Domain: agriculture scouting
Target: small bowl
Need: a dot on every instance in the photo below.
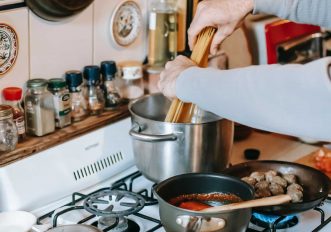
(16, 221)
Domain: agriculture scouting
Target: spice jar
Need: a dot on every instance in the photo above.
(108, 73)
(62, 102)
(92, 90)
(131, 84)
(12, 97)
(8, 131)
(39, 108)
(79, 109)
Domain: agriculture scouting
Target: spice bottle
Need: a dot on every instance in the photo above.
(12, 96)
(131, 83)
(62, 102)
(92, 90)
(8, 131)
(39, 108)
(79, 109)
(108, 73)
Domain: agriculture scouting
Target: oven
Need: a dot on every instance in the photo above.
(93, 180)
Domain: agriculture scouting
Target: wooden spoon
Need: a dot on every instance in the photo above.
(267, 201)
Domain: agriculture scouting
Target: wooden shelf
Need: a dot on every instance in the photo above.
(33, 145)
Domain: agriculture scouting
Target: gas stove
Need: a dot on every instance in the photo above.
(92, 179)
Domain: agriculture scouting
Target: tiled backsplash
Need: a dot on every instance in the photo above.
(48, 49)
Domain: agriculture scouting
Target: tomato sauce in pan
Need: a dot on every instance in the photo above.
(200, 201)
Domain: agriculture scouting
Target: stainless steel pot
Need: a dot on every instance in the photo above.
(175, 219)
(163, 149)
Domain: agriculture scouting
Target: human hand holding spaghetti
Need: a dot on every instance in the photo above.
(168, 77)
(225, 15)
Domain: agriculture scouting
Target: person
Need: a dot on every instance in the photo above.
(292, 99)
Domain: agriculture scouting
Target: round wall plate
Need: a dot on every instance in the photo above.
(125, 23)
(8, 47)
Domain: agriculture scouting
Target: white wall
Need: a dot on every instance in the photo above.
(49, 49)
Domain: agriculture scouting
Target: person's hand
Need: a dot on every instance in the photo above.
(168, 77)
(225, 15)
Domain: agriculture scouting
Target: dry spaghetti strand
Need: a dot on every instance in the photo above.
(180, 111)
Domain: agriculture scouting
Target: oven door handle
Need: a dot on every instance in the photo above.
(136, 133)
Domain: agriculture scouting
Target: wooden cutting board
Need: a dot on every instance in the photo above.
(309, 160)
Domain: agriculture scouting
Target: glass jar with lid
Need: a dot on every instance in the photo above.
(61, 100)
(131, 83)
(79, 109)
(92, 91)
(39, 108)
(8, 131)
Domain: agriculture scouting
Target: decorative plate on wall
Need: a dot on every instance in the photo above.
(126, 23)
(8, 47)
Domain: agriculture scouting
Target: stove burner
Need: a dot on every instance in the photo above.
(274, 221)
(114, 203)
(121, 224)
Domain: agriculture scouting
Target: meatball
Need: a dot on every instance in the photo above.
(249, 180)
(276, 189)
(279, 180)
(259, 176)
(262, 185)
(290, 178)
(269, 174)
(296, 196)
(260, 193)
(294, 187)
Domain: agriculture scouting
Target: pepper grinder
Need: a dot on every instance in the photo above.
(92, 91)
(111, 95)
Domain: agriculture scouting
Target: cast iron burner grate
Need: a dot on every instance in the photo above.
(274, 221)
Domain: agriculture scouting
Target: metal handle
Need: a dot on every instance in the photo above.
(135, 132)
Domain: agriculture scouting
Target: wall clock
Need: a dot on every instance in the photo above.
(8, 47)
(126, 23)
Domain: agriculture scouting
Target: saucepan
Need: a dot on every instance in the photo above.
(178, 219)
(315, 184)
(162, 149)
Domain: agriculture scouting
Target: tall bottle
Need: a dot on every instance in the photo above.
(108, 73)
(162, 32)
(12, 96)
(92, 90)
(79, 109)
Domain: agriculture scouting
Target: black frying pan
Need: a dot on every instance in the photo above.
(55, 10)
(315, 184)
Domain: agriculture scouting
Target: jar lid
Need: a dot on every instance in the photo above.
(5, 111)
(12, 93)
(131, 70)
(38, 82)
(108, 70)
(56, 83)
(92, 74)
(74, 78)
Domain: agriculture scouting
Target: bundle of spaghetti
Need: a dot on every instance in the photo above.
(180, 111)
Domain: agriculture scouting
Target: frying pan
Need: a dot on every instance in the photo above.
(315, 184)
(56, 10)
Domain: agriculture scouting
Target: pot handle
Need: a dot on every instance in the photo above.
(135, 132)
(200, 224)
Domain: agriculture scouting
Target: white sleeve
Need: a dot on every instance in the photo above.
(290, 99)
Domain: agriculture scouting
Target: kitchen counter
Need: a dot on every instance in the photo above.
(272, 147)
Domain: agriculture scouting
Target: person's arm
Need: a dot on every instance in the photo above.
(289, 99)
(315, 12)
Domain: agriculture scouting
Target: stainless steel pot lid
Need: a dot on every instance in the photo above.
(75, 228)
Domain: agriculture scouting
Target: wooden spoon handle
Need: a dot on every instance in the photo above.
(274, 200)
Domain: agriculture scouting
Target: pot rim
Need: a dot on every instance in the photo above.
(131, 104)
(199, 213)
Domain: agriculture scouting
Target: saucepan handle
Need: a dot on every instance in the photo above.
(136, 133)
(200, 224)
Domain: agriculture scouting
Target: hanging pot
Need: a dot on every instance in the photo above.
(56, 10)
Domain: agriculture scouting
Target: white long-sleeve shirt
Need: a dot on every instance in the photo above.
(290, 99)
